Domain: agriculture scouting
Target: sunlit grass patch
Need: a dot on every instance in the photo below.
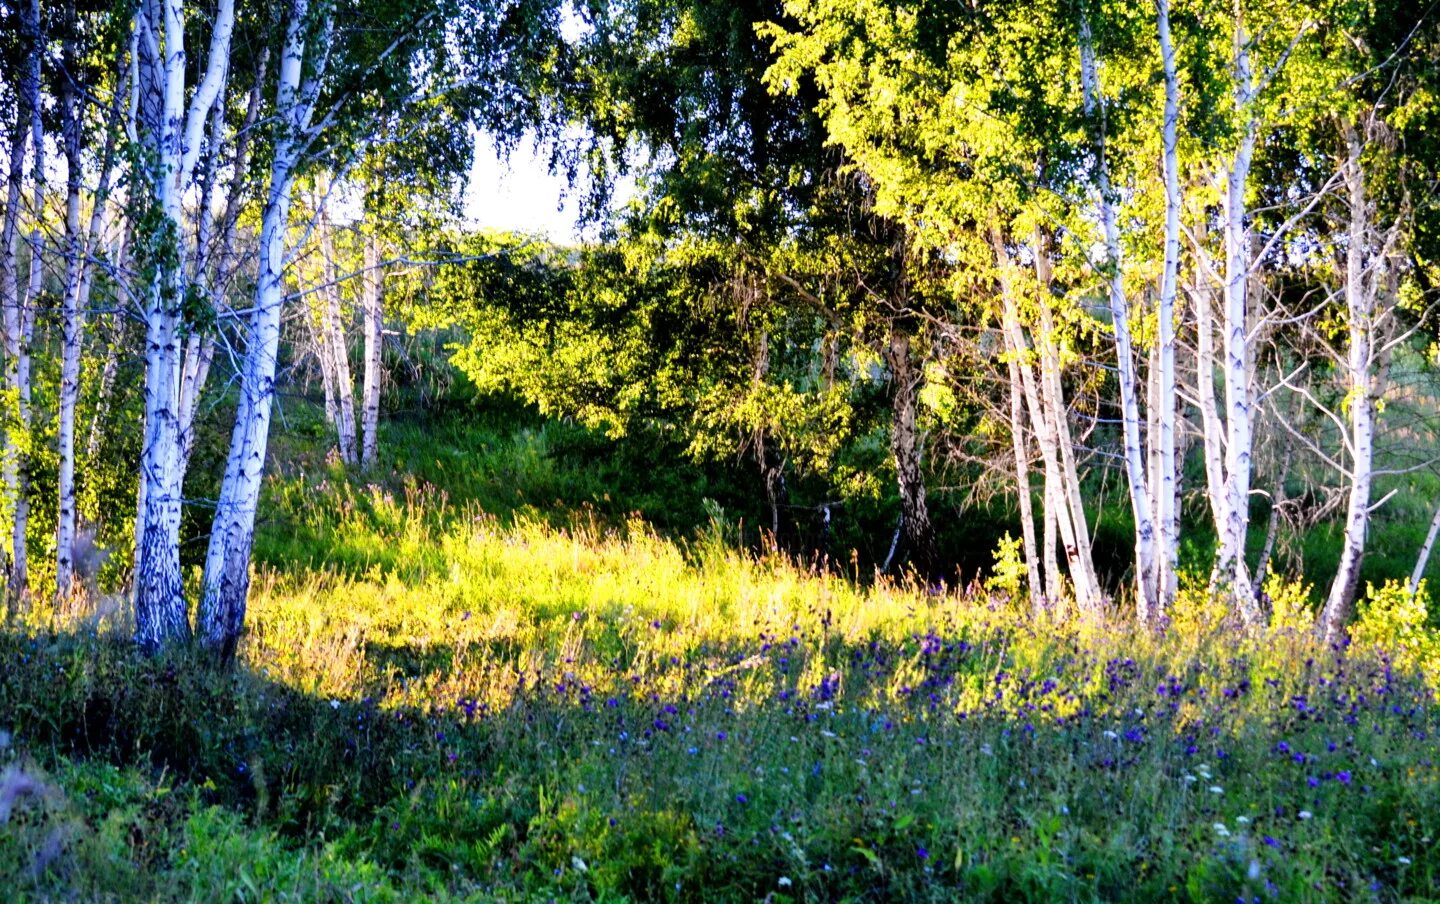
(583, 708)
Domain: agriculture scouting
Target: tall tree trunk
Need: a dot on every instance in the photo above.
(1034, 580)
(174, 135)
(12, 308)
(1052, 435)
(1230, 560)
(333, 332)
(1078, 552)
(1166, 477)
(108, 371)
(372, 302)
(1423, 559)
(1360, 305)
(1142, 506)
(1272, 529)
(907, 446)
(200, 345)
(315, 320)
(227, 562)
(1212, 425)
(71, 116)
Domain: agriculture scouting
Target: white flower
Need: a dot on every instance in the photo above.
(1216, 789)
(1190, 779)
(1110, 734)
(334, 704)
(784, 882)
(1305, 814)
(1403, 861)
(1243, 820)
(828, 734)
(579, 865)
(1254, 871)
(1221, 830)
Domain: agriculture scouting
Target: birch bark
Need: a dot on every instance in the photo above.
(1230, 559)
(1360, 294)
(174, 132)
(333, 335)
(71, 119)
(372, 302)
(1166, 478)
(1141, 503)
(227, 562)
(12, 305)
(1423, 559)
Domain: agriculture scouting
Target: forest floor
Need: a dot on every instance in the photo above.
(443, 696)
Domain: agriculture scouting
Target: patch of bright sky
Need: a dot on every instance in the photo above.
(520, 194)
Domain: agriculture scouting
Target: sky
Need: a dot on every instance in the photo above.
(519, 194)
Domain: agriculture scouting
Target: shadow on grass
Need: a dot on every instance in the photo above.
(1010, 765)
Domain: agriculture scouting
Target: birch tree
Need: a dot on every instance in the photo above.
(14, 307)
(171, 125)
(303, 59)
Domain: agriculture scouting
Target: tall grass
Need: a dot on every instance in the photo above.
(540, 708)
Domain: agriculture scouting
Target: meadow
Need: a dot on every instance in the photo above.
(457, 694)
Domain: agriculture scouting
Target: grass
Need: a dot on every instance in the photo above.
(508, 675)
(521, 710)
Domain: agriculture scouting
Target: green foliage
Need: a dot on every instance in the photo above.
(1396, 621)
(1008, 574)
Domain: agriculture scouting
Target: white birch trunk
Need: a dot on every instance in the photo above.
(199, 345)
(227, 562)
(160, 611)
(1211, 423)
(316, 322)
(1166, 477)
(1141, 503)
(10, 300)
(333, 336)
(1033, 577)
(1053, 436)
(372, 303)
(1423, 559)
(70, 344)
(108, 371)
(1360, 306)
(20, 327)
(1088, 594)
(1230, 560)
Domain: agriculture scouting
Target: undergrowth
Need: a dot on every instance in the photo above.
(525, 711)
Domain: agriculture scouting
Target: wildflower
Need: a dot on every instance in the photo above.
(1269, 841)
(741, 799)
(922, 853)
(1216, 789)
(1305, 814)
(784, 882)
(1403, 861)
(1343, 776)
(1221, 830)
